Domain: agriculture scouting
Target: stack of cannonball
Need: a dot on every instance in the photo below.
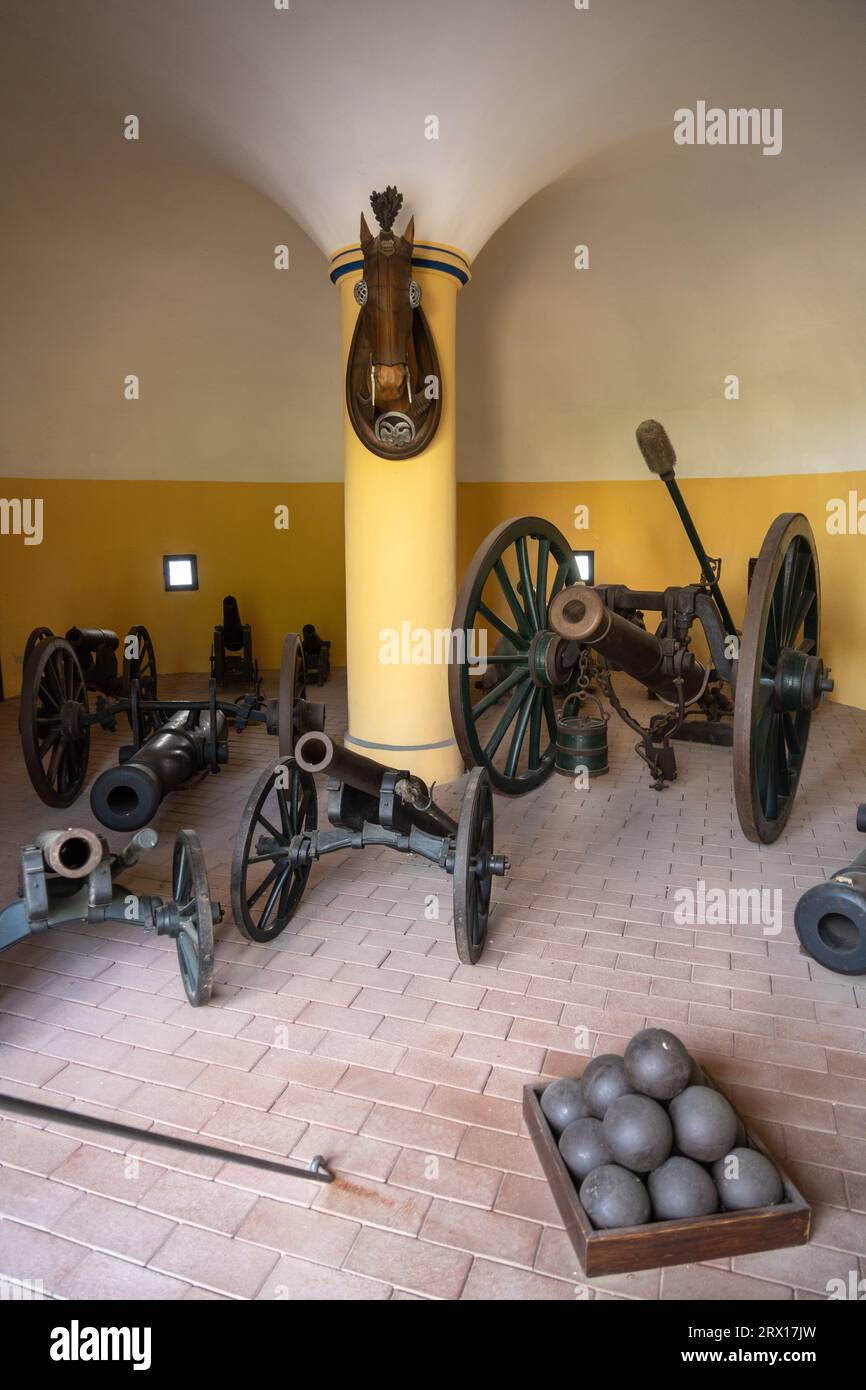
(646, 1139)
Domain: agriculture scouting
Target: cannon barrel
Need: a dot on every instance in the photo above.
(127, 797)
(579, 615)
(316, 752)
(71, 853)
(90, 639)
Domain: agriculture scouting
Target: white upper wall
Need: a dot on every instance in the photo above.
(703, 263)
(156, 256)
(318, 103)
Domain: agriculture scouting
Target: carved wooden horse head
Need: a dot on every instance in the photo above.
(393, 387)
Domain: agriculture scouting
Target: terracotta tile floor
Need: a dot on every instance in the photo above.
(358, 1035)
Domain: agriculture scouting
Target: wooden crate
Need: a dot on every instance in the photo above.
(663, 1242)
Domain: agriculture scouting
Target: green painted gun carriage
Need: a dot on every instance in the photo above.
(757, 691)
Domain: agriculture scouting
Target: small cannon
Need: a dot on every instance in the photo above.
(830, 919)
(96, 651)
(231, 655)
(55, 719)
(317, 654)
(368, 804)
(555, 635)
(71, 876)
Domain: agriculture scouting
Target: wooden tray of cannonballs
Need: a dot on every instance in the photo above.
(659, 1243)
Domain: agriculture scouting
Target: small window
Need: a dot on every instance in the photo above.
(585, 565)
(180, 571)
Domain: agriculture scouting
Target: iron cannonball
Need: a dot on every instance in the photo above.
(612, 1196)
(604, 1081)
(638, 1132)
(561, 1102)
(753, 1182)
(657, 1064)
(705, 1124)
(697, 1078)
(681, 1188)
(583, 1148)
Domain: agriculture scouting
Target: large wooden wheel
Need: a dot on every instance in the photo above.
(55, 740)
(143, 669)
(293, 687)
(473, 875)
(194, 937)
(266, 888)
(38, 635)
(780, 677)
(510, 729)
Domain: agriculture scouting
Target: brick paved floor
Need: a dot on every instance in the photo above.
(358, 1035)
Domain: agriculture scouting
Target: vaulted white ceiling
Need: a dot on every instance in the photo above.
(318, 104)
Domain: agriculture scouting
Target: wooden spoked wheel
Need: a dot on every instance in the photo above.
(780, 677)
(266, 888)
(194, 938)
(39, 634)
(293, 687)
(473, 875)
(143, 669)
(55, 740)
(510, 729)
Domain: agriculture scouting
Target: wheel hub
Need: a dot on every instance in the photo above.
(70, 720)
(551, 659)
(800, 681)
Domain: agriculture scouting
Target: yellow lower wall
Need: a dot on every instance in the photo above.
(638, 540)
(100, 563)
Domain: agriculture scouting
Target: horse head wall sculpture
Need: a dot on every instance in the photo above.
(393, 386)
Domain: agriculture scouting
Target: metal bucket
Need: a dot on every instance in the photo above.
(581, 740)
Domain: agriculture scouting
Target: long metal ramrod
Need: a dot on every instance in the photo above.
(660, 458)
(316, 1171)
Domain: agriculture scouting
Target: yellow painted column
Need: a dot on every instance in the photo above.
(401, 533)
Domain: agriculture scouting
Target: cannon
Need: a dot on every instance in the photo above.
(189, 742)
(560, 634)
(830, 919)
(71, 876)
(55, 721)
(231, 656)
(368, 804)
(317, 654)
(96, 651)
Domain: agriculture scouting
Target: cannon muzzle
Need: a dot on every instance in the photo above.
(71, 853)
(579, 615)
(830, 919)
(127, 797)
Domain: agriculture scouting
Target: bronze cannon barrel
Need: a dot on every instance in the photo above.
(71, 853)
(579, 615)
(128, 796)
(90, 639)
(316, 752)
